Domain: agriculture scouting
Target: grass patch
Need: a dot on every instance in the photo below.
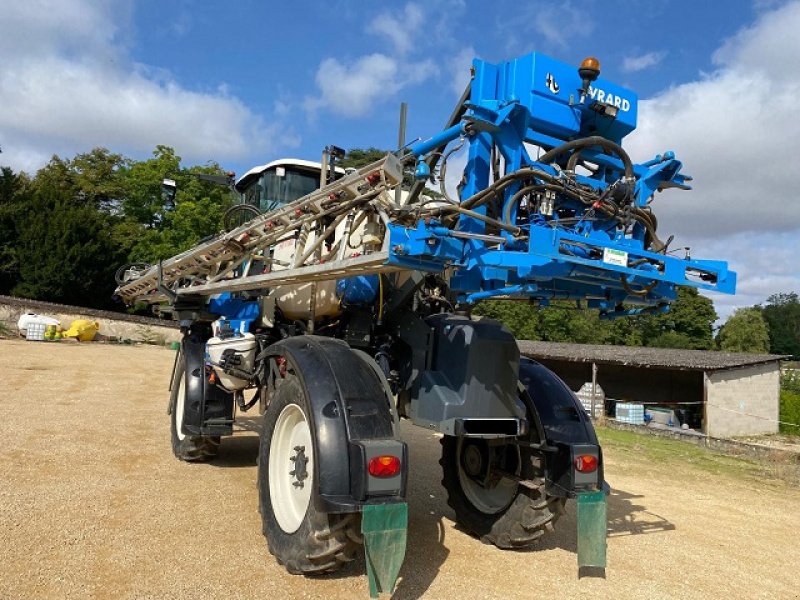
(790, 411)
(659, 451)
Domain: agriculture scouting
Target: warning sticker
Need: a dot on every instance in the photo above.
(615, 257)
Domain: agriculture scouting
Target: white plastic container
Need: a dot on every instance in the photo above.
(35, 332)
(585, 396)
(628, 412)
(244, 345)
(32, 318)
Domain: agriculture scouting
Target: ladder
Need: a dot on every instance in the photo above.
(224, 263)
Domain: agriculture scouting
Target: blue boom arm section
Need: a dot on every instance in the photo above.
(572, 223)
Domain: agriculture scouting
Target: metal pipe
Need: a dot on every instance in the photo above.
(323, 172)
(448, 135)
(594, 387)
(401, 141)
(301, 243)
(318, 242)
(348, 227)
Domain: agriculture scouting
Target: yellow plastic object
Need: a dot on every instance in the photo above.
(82, 329)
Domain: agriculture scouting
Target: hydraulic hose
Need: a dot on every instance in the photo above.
(588, 142)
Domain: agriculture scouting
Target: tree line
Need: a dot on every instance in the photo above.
(66, 230)
(772, 327)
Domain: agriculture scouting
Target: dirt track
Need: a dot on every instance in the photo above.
(93, 505)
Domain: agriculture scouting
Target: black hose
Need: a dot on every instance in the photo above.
(588, 142)
(232, 218)
(643, 292)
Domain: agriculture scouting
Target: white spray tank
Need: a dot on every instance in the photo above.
(231, 347)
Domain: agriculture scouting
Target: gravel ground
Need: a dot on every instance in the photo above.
(93, 505)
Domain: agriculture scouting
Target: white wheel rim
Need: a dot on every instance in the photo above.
(488, 500)
(179, 402)
(289, 491)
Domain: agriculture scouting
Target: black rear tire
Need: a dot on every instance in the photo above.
(191, 448)
(322, 542)
(517, 523)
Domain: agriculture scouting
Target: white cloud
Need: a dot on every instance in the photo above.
(399, 29)
(542, 25)
(559, 23)
(459, 66)
(631, 64)
(736, 131)
(352, 90)
(763, 262)
(68, 84)
(354, 87)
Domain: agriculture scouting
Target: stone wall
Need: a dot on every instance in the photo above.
(144, 330)
(743, 401)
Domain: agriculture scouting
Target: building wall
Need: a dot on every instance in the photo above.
(743, 401)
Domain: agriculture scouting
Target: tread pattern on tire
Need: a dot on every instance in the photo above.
(192, 448)
(325, 541)
(196, 448)
(519, 526)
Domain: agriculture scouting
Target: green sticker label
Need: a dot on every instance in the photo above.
(615, 257)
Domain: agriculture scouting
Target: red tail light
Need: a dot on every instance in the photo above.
(586, 463)
(384, 466)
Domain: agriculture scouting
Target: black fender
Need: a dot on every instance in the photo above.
(566, 428)
(349, 415)
(208, 409)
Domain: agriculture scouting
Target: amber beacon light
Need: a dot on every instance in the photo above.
(589, 71)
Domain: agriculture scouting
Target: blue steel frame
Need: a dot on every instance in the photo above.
(536, 100)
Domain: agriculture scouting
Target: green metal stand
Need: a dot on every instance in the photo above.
(592, 529)
(385, 528)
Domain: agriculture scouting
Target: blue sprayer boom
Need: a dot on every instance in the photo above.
(348, 308)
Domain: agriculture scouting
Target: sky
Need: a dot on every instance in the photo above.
(244, 82)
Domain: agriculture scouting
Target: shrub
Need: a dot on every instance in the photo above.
(790, 412)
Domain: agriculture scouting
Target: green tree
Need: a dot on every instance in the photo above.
(626, 331)
(64, 232)
(688, 324)
(361, 157)
(745, 331)
(65, 251)
(91, 179)
(782, 314)
(192, 220)
(559, 322)
(520, 317)
(14, 196)
(142, 202)
(198, 212)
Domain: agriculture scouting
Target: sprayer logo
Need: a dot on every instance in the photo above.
(608, 98)
(551, 83)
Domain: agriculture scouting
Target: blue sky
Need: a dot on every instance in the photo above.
(244, 82)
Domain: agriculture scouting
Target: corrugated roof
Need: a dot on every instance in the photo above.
(656, 358)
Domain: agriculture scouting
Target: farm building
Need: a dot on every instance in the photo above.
(721, 394)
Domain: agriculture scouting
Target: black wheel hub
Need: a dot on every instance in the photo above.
(485, 463)
(300, 461)
(472, 460)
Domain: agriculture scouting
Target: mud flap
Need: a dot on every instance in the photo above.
(592, 529)
(385, 529)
